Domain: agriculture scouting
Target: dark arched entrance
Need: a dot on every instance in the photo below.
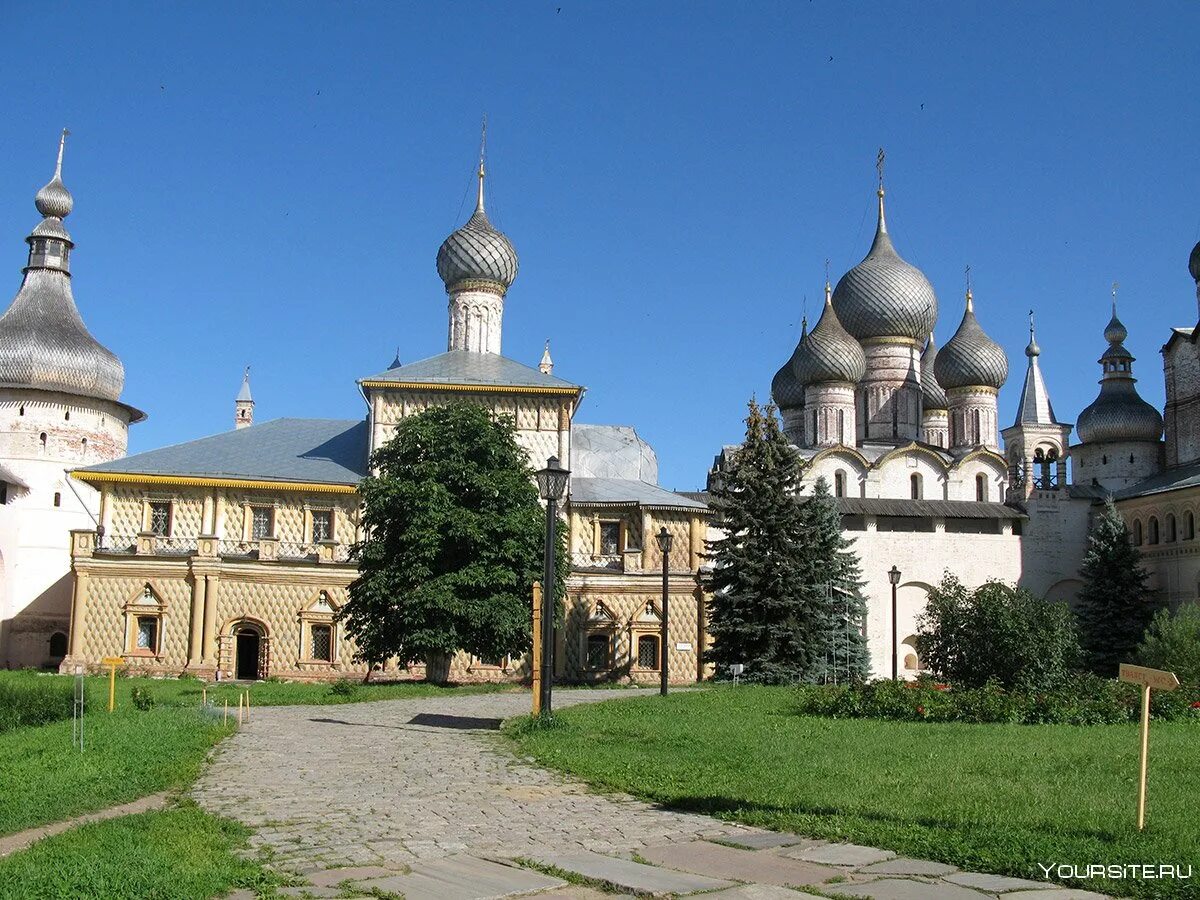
(248, 653)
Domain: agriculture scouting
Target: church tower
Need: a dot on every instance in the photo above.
(889, 306)
(1037, 444)
(243, 406)
(971, 368)
(477, 264)
(829, 363)
(935, 429)
(60, 409)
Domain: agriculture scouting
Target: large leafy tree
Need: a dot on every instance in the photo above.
(1114, 604)
(831, 569)
(761, 613)
(454, 541)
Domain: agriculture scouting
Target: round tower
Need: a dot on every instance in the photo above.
(477, 264)
(59, 410)
(829, 363)
(1119, 433)
(889, 306)
(971, 368)
(935, 428)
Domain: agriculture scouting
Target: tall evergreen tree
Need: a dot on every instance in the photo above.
(832, 571)
(761, 613)
(1114, 604)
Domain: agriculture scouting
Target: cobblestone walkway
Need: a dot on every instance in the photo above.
(418, 798)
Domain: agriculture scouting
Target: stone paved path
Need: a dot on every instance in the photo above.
(420, 798)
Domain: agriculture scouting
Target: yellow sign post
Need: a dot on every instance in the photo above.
(112, 662)
(537, 648)
(1160, 681)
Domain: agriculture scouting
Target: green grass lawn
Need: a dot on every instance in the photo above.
(179, 853)
(993, 798)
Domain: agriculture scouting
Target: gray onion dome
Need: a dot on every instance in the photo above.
(971, 358)
(786, 390)
(932, 394)
(1119, 413)
(1115, 332)
(477, 252)
(1194, 264)
(829, 353)
(884, 296)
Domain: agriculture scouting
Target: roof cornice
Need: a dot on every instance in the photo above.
(203, 481)
(472, 388)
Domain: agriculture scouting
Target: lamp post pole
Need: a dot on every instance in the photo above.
(664, 544)
(552, 486)
(894, 578)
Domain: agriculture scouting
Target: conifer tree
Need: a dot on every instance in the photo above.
(761, 613)
(835, 580)
(1114, 607)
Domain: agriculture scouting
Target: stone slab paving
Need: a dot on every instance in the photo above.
(1055, 894)
(758, 892)
(706, 858)
(994, 883)
(462, 878)
(904, 866)
(764, 840)
(904, 889)
(629, 875)
(852, 855)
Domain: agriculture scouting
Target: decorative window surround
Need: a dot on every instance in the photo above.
(143, 611)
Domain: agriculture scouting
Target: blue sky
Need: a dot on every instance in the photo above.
(268, 184)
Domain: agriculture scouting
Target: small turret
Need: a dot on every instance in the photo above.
(243, 416)
(546, 366)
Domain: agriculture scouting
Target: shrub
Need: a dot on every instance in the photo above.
(37, 700)
(996, 633)
(343, 687)
(142, 698)
(1172, 642)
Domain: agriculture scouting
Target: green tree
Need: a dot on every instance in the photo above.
(761, 613)
(454, 541)
(1114, 605)
(832, 572)
(996, 633)
(1172, 642)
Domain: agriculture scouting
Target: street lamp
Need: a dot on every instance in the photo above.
(894, 578)
(552, 485)
(664, 544)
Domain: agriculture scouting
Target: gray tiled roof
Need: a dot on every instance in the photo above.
(466, 367)
(611, 451)
(941, 509)
(598, 491)
(323, 451)
(1175, 479)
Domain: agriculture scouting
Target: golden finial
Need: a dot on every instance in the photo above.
(482, 153)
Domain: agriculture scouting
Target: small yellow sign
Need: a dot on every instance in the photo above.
(1152, 678)
(113, 661)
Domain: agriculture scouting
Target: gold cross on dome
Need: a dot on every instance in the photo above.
(879, 165)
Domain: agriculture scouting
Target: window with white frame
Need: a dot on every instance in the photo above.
(322, 525)
(262, 522)
(147, 634)
(321, 642)
(160, 517)
(610, 538)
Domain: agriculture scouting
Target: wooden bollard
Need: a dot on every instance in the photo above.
(239, 709)
(225, 718)
(204, 696)
(247, 706)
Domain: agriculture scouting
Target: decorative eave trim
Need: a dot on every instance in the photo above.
(898, 339)
(914, 447)
(618, 504)
(473, 388)
(476, 284)
(201, 481)
(972, 388)
(984, 453)
(840, 450)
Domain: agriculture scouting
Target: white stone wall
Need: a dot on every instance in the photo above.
(42, 434)
(891, 476)
(1181, 374)
(972, 418)
(935, 428)
(1053, 542)
(1174, 560)
(828, 415)
(889, 395)
(1116, 465)
(475, 321)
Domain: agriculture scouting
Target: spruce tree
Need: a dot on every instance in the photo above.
(761, 612)
(1114, 607)
(835, 581)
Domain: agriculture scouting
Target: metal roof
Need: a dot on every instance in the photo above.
(623, 491)
(1175, 479)
(321, 451)
(938, 509)
(464, 367)
(611, 451)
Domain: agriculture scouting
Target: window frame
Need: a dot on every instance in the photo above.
(145, 605)
(256, 508)
(600, 526)
(607, 637)
(637, 654)
(151, 503)
(327, 627)
(313, 513)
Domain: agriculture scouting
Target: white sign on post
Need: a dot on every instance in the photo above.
(1160, 681)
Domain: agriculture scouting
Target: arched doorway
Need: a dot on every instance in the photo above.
(248, 646)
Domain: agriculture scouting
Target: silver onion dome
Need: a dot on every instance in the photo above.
(1119, 413)
(1115, 332)
(971, 358)
(43, 341)
(829, 352)
(786, 389)
(884, 296)
(477, 251)
(933, 396)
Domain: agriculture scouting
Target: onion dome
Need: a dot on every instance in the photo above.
(932, 395)
(477, 252)
(786, 390)
(884, 296)
(829, 352)
(1194, 264)
(43, 341)
(1119, 413)
(971, 358)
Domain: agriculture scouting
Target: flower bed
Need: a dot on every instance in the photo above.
(1081, 699)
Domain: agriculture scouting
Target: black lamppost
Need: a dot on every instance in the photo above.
(664, 544)
(552, 485)
(894, 578)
